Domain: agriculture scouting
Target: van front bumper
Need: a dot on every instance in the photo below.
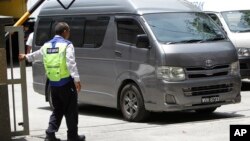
(190, 94)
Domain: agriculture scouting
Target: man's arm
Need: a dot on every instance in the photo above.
(37, 55)
(71, 64)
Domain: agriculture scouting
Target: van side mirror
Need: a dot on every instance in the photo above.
(142, 41)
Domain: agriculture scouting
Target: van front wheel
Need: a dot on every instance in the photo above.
(132, 104)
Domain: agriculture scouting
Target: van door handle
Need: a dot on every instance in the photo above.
(118, 53)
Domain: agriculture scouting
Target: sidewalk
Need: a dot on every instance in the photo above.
(36, 138)
(28, 138)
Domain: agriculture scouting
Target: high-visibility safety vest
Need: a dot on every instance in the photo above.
(54, 59)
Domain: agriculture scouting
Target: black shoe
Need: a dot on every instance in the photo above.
(51, 138)
(78, 138)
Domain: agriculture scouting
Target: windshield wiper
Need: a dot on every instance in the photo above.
(214, 39)
(185, 41)
(197, 40)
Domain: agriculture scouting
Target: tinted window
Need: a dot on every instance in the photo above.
(183, 27)
(128, 31)
(43, 31)
(83, 33)
(95, 30)
(77, 31)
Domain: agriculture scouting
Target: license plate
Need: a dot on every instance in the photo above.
(210, 99)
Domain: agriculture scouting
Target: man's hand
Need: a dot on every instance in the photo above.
(78, 86)
(22, 57)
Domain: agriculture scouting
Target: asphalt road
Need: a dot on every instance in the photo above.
(105, 124)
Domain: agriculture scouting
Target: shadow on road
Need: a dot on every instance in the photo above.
(182, 117)
(156, 118)
(100, 111)
(95, 111)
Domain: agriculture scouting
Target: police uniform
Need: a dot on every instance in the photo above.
(60, 66)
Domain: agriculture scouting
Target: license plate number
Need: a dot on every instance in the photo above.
(211, 99)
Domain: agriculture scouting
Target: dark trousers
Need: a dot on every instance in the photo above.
(64, 100)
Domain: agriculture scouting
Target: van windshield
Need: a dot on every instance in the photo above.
(237, 21)
(172, 28)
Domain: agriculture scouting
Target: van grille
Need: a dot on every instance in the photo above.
(208, 90)
(202, 72)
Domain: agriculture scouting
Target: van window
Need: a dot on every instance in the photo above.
(77, 31)
(170, 28)
(215, 18)
(83, 33)
(43, 31)
(76, 25)
(128, 30)
(237, 21)
(95, 30)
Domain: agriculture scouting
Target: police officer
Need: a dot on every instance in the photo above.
(59, 62)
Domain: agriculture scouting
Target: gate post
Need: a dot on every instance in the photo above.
(5, 130)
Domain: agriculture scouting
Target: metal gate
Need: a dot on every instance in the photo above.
(17, 87)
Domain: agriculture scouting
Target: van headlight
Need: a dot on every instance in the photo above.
(171, 73)
(235, 68)
(243, 51)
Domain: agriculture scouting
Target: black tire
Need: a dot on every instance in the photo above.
(50, 98)
(132, 104)
(206, 111)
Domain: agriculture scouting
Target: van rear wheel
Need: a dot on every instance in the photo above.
(206, 111)
(132, 104)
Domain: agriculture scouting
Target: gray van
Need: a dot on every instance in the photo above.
(140, 56)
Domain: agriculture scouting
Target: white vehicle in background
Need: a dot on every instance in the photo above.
(234, 17)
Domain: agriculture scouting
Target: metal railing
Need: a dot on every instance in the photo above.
(12, 82)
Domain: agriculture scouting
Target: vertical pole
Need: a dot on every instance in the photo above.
(5, 130)
(23, 83)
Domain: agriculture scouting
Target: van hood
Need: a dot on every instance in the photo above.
(240, 39)
(197, 54)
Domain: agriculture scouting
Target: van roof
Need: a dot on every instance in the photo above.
(52, 7)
